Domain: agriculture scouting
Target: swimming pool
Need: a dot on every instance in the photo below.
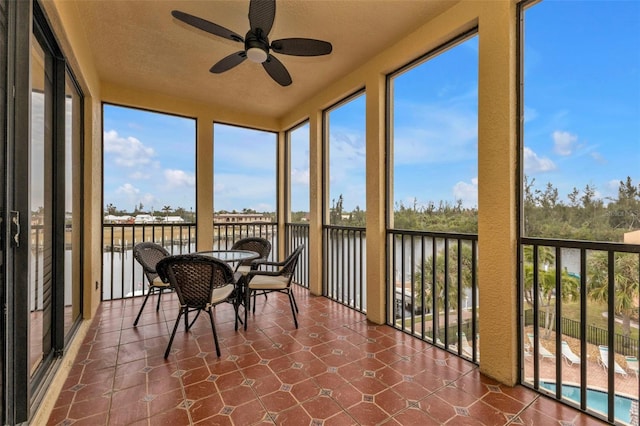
(596, 400)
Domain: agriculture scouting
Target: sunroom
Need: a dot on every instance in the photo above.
(462, 174)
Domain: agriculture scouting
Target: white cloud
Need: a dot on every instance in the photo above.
(235, 191)
(300, 177)
(530, 114)
(598, 157)
(127, 151)
(438, 134)
(564, 142)
(179, 179)
(140, 175)
(613, 185)
(467, 193)
(533, 163)
(128, 190)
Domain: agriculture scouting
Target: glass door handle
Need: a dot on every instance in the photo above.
(15, 228)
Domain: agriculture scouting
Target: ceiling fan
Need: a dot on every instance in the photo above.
(256, 42)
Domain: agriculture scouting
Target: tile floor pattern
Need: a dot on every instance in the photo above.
(336, 369)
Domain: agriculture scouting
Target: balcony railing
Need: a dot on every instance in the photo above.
(584, 296)
(345, 266)
(225, 234)
(297, 234)
(122, 276)
(444, 313)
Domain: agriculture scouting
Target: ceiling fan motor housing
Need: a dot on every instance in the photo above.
(257, 47)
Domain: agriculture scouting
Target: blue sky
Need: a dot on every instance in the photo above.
(149, 159)
(582, 126)
(582, 94)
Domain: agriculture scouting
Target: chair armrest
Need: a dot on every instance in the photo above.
(255, 264)
(260, 262)
(255, 272)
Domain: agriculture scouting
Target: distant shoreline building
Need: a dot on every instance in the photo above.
(141, 219)
(240, 218)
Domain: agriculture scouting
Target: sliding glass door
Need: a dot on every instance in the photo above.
(40, 216)
(40, 207)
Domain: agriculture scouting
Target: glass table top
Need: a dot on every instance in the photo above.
(231, 255)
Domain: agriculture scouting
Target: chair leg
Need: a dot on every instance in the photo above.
(293, 309)
(294, 300)
(247, 305)
(189, 325)
(215, 335)
(173, 334)
(142, 307)
(236, 307)
(159, 296)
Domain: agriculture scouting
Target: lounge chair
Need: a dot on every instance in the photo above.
(632, 364)
(542, 351)
(467, 349)
(604, 361)
(568, 355)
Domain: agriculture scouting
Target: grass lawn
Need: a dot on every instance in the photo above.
(595, 318)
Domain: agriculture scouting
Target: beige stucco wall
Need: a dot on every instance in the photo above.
(632, 237)
(497, 159)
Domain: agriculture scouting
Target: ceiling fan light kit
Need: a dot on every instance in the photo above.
(257, 49)
(256, 43)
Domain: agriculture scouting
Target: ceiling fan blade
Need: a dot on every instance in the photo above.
(204, 25)
(301, 47)
(228, 62)
(261, 15)
(277, 71)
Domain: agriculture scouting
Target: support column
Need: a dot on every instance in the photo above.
(497, 192)
(376, 199)
(316, 206)
(204, 183)
(282, 172)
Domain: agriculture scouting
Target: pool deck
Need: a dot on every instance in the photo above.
(597, 376)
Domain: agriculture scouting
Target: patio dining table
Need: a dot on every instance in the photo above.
(230, 256)
(233, 256)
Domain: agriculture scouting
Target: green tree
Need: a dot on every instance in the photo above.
(624, 212)
(437, 292)
(335, 215)
(569, 285)
(625, 280)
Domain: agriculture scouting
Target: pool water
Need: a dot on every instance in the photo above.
(596, 400)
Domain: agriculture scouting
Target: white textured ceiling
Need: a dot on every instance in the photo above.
(139, 44)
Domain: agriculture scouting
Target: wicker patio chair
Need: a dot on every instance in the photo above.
(270, 281)
(256, 244)
(148, 254)
(201, 282)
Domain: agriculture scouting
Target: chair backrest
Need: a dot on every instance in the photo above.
(148, 254)
(291, 262)
(194, 277)
(257, 244)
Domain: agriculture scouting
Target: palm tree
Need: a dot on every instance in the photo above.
(437, 292)
(569, 285)
(626, 284)
(166, 210)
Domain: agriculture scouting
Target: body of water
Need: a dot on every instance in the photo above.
(597, 400)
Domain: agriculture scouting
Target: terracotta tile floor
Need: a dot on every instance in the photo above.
(336, 369)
